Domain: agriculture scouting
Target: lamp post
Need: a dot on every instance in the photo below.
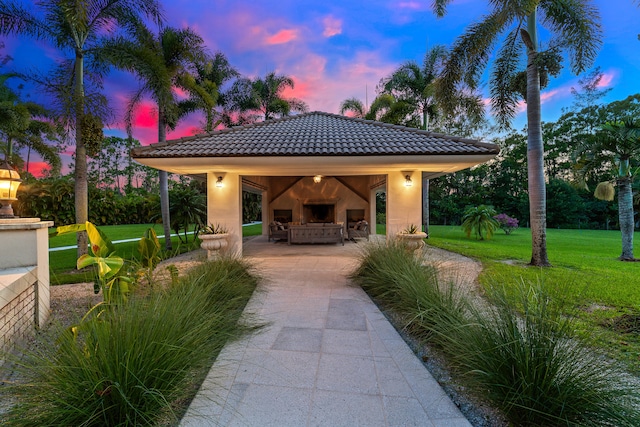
(9, 183)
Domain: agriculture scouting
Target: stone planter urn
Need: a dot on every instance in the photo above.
(413, 241)
(213, 243)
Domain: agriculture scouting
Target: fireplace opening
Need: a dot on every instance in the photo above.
(319, 213)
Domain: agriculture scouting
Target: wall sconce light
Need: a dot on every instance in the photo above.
(317, 179)
(407, 181)
(219, 183)
(9, 183)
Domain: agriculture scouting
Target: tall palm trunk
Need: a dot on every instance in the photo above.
(164, 185)
(625, 216)
(425, 183)
(81, 185)
(535, 153)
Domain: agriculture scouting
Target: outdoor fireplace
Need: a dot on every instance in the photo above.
(319, 213)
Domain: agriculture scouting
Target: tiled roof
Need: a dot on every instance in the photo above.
(315, 134)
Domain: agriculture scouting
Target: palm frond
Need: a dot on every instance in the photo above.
(133, 103)
(440, 7)
(16, 19)
(354, 105)
(577, 23)
(504, 99)
(469, 56)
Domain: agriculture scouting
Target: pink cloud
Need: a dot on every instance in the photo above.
(39, 169)
(414, 5)
(606, 79)
(332, 26)
(324, 90)
(146, 116)
(549, 95)
(282, 36)
(180, 93)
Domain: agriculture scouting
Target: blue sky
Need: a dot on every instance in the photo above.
(340, 49)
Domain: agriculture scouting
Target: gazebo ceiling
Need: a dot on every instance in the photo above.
(316, 143)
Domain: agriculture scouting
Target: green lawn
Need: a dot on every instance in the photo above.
(585, 271)
(62, 263)
(584, 260)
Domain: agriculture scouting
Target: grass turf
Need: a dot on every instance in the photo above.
(585, 271)
(62, 264)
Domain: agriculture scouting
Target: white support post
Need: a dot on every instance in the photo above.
(224, 206)
(404, 204)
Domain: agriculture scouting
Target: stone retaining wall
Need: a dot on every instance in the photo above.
(17, 315)
(24, 279)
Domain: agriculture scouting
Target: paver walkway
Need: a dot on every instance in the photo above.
(327, 358)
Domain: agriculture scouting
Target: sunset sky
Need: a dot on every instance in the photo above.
(340, 49)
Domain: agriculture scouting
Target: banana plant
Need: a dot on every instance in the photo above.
(115, 286)
(149, 248)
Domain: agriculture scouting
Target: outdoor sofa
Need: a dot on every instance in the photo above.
(317, 233)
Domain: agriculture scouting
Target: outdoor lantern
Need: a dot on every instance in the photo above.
(407, 181)
(219, 183)
(317, 179)
(9, 183)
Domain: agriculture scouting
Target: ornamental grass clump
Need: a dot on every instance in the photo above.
(137, 363)
(401, 283)
(518, 351)
(524, 356)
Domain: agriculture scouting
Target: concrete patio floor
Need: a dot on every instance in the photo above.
(328, 357)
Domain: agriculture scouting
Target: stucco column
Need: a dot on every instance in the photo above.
(224, 207)
(404, 204)
(372, 211)
(265, 213)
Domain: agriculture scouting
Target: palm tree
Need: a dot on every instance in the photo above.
(355, 106)
(265, 96)
(416, 86)
(28, 125)
(77, 27)
(161, 62)
(478, 219)
(614, 147)
(576, 27)
(385, 108)
(206, 92)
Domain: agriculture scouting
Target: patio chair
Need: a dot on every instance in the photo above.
(359, 230)
(278, 231)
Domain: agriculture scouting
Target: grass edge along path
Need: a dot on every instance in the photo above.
(586, 274)
(140, 363)
(520, 353)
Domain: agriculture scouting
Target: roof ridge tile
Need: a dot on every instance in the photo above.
(312, 134)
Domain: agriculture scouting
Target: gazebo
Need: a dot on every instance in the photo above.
(316, 167)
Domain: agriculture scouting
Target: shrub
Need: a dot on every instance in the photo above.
(506, 223)
(479, 219)
(135, 365)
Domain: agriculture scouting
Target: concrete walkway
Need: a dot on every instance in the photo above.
(327, 358)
